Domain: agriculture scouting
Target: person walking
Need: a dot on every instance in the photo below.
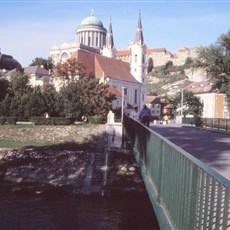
(135, 113)
(166, 119)
(145, 115)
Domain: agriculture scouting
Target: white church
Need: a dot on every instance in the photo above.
(95, 49)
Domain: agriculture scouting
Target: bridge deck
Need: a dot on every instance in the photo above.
(212, 148)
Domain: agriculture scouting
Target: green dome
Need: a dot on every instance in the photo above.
(91, 20)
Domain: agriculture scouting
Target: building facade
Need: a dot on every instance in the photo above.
(95, 49)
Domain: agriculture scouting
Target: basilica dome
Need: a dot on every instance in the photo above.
(91, 33)
(91, 20)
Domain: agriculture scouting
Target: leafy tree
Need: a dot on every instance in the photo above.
(19, 84)
(191, 104)
(168, 65)
(4, 84)
(188, 62)
(86, 97)
(69, 69)
(21, 99)
(215, 60)
(70, 101)
(46, 63)
(96, 98)
(52, 101)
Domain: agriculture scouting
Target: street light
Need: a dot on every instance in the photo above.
(122, 103)
(182, 100)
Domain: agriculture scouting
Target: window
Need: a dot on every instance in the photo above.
(97, 41)
(125, 91)
(135, 59)
(135, 96)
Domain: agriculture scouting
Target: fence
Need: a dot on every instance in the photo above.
(184, 192)
(214, 123)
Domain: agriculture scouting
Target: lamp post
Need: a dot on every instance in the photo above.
(122, 103)
(182, 101)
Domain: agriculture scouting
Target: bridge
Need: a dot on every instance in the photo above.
(186, 172)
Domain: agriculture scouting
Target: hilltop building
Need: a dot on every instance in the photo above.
(160, 56)
(94, 47)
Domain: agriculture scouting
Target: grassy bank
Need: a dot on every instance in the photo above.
(27, 136)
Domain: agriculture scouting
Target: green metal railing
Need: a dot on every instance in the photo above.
(184, 192)
(213, 123)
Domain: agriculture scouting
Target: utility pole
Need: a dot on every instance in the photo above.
(182, 101)
(122, 103)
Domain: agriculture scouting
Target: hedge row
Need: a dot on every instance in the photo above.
(51, 120)
(8, 120)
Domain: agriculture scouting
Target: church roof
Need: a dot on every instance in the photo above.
(102, 66)
(139, 34)
(91, 20)
(114, 68)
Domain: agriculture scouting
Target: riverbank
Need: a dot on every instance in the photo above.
(55, 158)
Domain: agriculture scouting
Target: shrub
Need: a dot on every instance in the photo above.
(2, 120)
(52, 121)
(95, 119)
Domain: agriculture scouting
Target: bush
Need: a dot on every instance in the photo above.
(2, 120)
(52, 121)
(8, 120)
(95, 119)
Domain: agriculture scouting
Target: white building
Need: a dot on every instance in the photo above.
(95, 49)
(214, 103)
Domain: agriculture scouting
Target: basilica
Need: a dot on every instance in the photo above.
(95, 49)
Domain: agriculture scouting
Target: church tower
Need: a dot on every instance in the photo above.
(109, 50)
(139, 62)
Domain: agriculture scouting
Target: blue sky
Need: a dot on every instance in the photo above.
(28, 29)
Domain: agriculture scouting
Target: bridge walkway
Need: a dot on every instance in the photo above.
(186, 174)
(210, 147)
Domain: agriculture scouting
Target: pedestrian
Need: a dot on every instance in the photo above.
(145, 115)
(135, 113)
(166, 119)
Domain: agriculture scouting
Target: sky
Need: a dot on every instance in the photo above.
(28, 29)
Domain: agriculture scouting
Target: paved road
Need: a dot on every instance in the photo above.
(212, 148)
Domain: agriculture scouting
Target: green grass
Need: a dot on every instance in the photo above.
(20, 144)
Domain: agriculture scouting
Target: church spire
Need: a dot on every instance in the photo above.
(139, 34)
(110, 42)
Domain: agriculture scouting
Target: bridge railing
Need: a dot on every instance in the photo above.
(213, 123)
(185, 193)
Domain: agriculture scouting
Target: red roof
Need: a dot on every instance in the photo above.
(153, 99)
(101, 66)
(124, 53)
(113, 68)
(87, 59)
(115, 91)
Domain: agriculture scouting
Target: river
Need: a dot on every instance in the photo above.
(62, 211)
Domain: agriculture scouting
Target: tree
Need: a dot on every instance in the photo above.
(4, 84)
(215, 60)
(52, 101)
(188, 62)
(46, 63)
(191, 104)
(70, 69)
(86, 97)
(21, 100)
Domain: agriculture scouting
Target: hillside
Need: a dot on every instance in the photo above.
(167, 80)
